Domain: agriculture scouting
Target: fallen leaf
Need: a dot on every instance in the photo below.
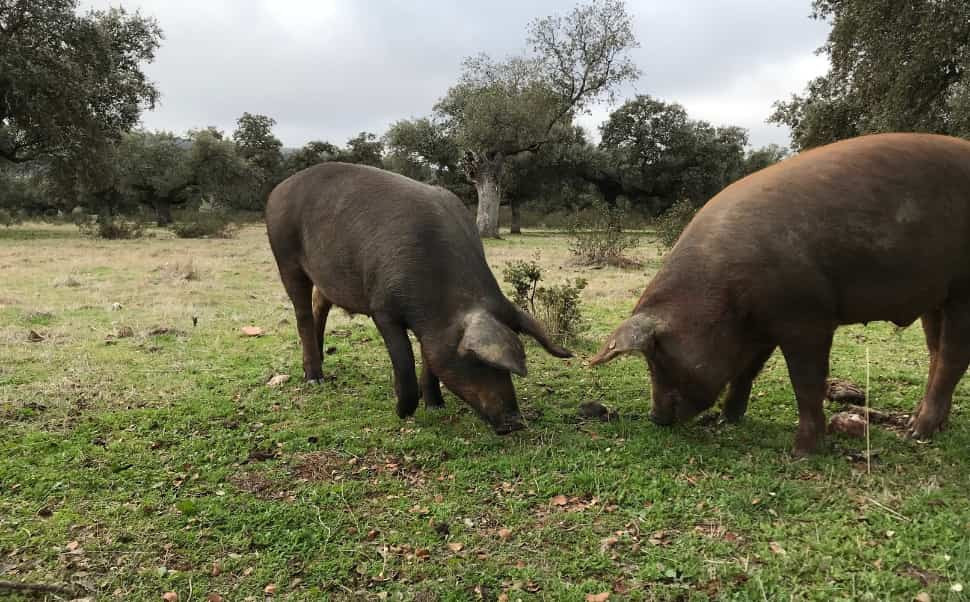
(559, 500)
(503, 597)
(170, 597)
(277, 380)
(422, 554)
(213, 597)
(71, 546)
(216, 569)
(270, 590)
(603, 597)
(420, 510)
(777, 549)
(252, 331)
(504, 533)
(372, 534)
(608, 543)
(456, 546)
(248, 571)
(922, 597)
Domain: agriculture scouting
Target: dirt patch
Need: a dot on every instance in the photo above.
(331, 466)
(260, 486)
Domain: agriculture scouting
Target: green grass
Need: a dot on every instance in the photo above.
(131, 466)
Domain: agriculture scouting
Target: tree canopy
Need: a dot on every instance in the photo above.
(895, 66)
(70, 83)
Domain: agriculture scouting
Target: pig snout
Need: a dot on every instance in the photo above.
(508, 423)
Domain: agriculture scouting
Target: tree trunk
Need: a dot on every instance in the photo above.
(163, 213)
(516, 218)
(488, 184)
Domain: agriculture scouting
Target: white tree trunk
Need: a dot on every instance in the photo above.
(488, 185)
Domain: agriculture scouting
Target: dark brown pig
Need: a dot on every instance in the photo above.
(872, 228)
(407, 255)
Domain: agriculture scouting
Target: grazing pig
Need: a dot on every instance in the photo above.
(872, 228)
(407, 255)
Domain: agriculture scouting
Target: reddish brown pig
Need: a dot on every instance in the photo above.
(407, 255)
(872, 228)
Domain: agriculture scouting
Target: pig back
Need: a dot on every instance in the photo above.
(873, 228)
(375, 241)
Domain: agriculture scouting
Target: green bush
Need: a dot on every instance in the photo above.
(599, 239)
(524, 276)
(557, 308)
(112, 228)
(203, 224)
(673, 221)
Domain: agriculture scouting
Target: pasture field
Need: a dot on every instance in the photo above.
(131, 466)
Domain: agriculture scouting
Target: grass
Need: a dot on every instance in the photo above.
(162, 462)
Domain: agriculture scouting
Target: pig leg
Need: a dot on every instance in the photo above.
(430, 386)
(736, 402)
(300, 289)
(321, 308)
(808, 366)
(402, 359)
(932, 325)
(952, 359)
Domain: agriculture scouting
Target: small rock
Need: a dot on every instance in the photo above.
(170, 597)
(849, 424)
(252, 331)
(33, 337)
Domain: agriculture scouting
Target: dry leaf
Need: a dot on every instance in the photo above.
(503, 597)
(277, 380)
(170, 597)
(216, 569)
(252, 331)
(422, 554)
(922, 597)
(213, 597)
(559, 500)
(608, 543)
(504, 533)
(456, 546)
(71, 546)
(777, 549)
(270, 590)
(598, 597)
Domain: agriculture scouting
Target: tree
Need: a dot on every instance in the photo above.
(262, 150)
(221, 174)
(895, 66)
(760, 158)
(502, 109)
(155, 170)
(657, 155)
(69, 83)
(310, 154)
(365, 148)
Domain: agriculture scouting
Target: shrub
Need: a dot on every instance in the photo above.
(557, 308)
(600, 240)
(112, 228)
(524, 276)
(8, 218)
(203, 224)
(673, 221)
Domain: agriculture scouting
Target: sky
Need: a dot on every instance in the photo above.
(328, 69)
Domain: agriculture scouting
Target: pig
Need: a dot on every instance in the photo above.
(871, 228)
(408, 255)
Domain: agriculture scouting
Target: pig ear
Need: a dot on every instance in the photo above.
(492, 342)
(637, 333)
(531, 327)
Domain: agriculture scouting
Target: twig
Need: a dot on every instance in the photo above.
(888, 510)
(43, 588)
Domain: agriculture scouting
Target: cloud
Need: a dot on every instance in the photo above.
(327, 70)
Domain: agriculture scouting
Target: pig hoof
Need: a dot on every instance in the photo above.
(406, 409)
(434, 405)
(314, 381)
(509, 425)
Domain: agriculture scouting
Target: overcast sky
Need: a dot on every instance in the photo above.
(327, 69)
